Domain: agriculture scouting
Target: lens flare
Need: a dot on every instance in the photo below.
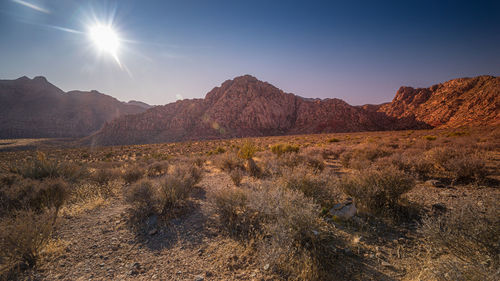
(105, 39)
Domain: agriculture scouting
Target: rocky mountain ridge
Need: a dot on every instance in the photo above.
(35, 108)
(245, 107)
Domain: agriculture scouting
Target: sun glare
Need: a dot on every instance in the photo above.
(105, 39)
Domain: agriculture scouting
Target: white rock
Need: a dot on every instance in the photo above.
(343, 210)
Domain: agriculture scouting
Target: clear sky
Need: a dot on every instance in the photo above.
(359, 51)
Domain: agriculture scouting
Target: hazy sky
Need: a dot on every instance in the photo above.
(359, 51)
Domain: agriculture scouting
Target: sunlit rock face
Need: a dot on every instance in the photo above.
(456, 103)
(245, 107)
(34, 108)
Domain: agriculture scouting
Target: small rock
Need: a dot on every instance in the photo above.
(266, 267)
(199, 278)
(384, 263)
(344, 210)
(153, 231)
(435, 183)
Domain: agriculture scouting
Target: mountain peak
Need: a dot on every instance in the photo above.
(40, 79)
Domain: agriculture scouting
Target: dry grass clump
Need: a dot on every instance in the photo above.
(34, 195)
(362, 155)
(378, 190)
(143, 196)
(104, 176)
(323, 188)
(24, 235)
(411, 161)
(157, 169)
(228, 162)
(164, 195)
(247, 151)
(282, 148)
(468, 240)
(236, 176)
(41, 168)
(133, 174)
(176, 187)
(459, 165)
(294, 240)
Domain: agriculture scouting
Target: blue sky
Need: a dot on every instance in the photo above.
(359, 51)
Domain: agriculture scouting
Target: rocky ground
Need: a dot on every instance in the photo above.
(101, 244)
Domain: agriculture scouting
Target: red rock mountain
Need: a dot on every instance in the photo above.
(245, 107)
(34, 108)
(456, 103)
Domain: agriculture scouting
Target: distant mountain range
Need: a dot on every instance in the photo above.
(242, 107)
(245, 107)
(34, 108)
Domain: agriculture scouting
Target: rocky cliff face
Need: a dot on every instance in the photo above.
(34, 108)
(456, 103)
(245, 107)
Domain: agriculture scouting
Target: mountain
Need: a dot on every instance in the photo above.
(245, 107)
(459, 102)
(34, 108)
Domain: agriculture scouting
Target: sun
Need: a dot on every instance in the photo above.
(105, 39)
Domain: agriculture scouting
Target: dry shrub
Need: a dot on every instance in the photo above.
(230, 205)
(378, 190)
(35, 195)
(319, 186)
(104, 176)
(362, 156)
(41, 168)
(156, 169)
(133, 174)
(176, 187)
(411, 161)
(228, 162)
(294, 240)
(247, 151)
(236, 176)
(460, 165)
(281, 148)
(468, 239)
(143, 197)
(291, 160)
(252, 168)
(23, 237)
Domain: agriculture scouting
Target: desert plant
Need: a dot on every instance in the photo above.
(281, 148)
(133, 174)
(34, 195)
(228, 162)
(430, 137)
(104, 176)
(469, 235)
(378, 190)
(362, 156)
(176, 187)
(236, 176)
(41, 168)
(247, 151)
(143, 197)
(319, 186)
(230, 205)
(294, 240)
(23, 237)
(331, 140)
(157, 169)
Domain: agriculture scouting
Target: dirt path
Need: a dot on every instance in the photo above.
(101, 246)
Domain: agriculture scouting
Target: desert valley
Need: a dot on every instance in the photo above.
(250, 140)
(250, 183)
